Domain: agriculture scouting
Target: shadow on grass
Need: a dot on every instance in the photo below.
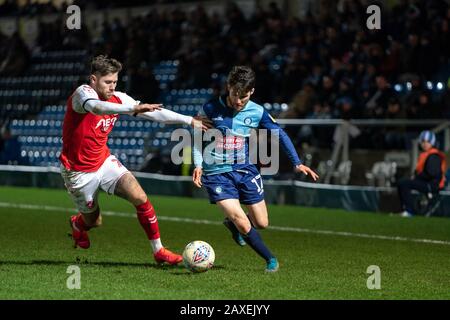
(188, 273)
(178, 270)
(86, 262)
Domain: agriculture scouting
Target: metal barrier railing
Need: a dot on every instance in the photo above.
(341, 145)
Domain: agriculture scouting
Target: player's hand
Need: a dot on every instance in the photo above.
(197, 177)
(201, 122)
(307, 171)
(145, 107)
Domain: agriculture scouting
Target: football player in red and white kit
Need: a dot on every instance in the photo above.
(87, 164)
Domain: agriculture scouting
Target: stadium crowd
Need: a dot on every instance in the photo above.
(326, 65)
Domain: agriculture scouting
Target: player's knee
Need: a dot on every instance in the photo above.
(261, 224)
(140, 198)
(243, 225)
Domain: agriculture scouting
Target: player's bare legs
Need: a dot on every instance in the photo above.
(129, 189)
(258, 214)
(81, 224)
(235, 233)
(233, 211)
(93, 219)
(85, 221)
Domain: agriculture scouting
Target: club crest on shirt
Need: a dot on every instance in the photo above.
(248, 121)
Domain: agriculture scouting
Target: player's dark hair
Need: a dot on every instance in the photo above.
(241, 78)
(102, 65)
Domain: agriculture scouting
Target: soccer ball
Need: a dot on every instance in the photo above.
(198, 256)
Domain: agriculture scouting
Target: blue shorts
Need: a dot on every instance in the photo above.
(245, 185)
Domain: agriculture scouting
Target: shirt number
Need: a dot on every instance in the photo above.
(259, 184)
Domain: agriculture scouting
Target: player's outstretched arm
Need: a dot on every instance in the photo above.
(307, 171)
(267, 122)
(197, 177)
(201, 122)
(99, 107)
(198, 158)
(170, 117)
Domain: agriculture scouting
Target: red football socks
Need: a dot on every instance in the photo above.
(80, 224)
(147, 218)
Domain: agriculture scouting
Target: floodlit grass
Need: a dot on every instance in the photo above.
(324, 256)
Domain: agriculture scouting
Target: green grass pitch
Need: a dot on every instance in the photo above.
(323, 253)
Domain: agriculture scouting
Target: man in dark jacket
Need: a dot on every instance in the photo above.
(429, 174)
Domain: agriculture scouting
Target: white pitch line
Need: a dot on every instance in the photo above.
(202, 221)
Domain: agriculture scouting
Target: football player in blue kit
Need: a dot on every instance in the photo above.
(226, 170)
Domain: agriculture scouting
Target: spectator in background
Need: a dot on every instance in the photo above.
(345, 93)
(422, 108)
(142, 83)
(9, 7)
(327, 92)
(50, 36)
(392, 61)
(429, 174)
(377, 104)
(315, 76)
(263, 88)
(445, 101)
(428, 56)
(16, 57)
(442, 35)
(318, 135)
(2, 145)
(293, 73)
(9, 148)
(302, 103)
(366, 75)
(394, 136)
(324, 47)
(411, 54)
(416, 89)
(3, 46)
(345, 108)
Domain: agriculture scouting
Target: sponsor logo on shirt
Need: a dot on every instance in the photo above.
(105, 124)
(230, 143)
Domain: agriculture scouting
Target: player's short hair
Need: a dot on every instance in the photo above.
(241, 78)
(102, 65)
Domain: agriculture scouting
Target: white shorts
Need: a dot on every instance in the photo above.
(83, 187)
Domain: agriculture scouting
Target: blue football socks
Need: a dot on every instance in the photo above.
(255, 241)
(237, 237)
